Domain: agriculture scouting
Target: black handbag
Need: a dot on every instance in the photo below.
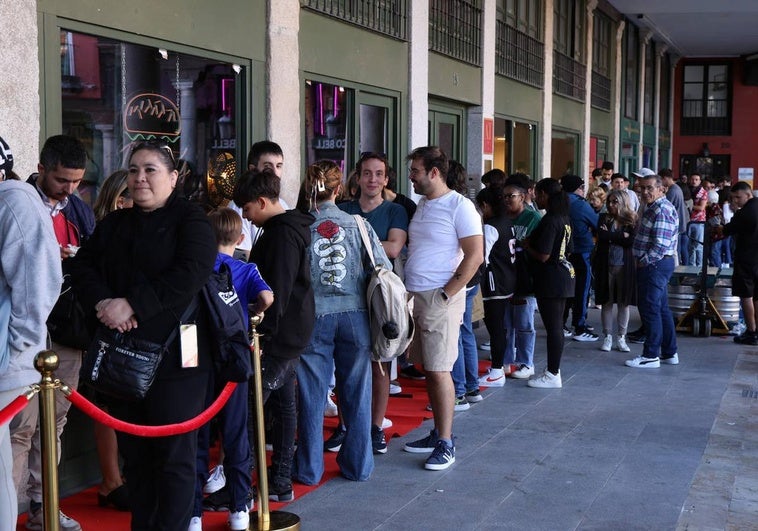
(120, 365)
(67, 322)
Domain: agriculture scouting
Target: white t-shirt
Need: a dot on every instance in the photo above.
(434, 251)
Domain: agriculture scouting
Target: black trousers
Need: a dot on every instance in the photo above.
(494, 320)
(161, 471)
(551, 311)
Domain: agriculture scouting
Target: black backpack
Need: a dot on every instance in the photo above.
(231, 345)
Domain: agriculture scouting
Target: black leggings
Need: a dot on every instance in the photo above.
(551, 311)
(494, 320)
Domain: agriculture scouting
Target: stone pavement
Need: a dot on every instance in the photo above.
(616, 448)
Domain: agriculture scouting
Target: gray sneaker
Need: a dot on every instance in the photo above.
(34, 523)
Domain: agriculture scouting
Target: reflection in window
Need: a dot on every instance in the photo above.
(326, 110)
(115, 93)
(564, 151)
(514, 147)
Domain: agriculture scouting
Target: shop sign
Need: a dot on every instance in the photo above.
(151, 115)
(329, 143)
(488, 136)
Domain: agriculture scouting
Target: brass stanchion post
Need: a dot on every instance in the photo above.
(267, 520)
(46, 363)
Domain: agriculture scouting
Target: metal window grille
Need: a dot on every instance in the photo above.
(601, 91)
(519, 56)
(388, 17)
(568, 76)
(454, 29)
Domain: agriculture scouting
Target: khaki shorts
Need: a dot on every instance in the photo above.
(438, 324)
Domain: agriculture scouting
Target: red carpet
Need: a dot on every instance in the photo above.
(406, 410)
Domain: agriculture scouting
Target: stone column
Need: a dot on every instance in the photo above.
(616, 109)
(657, 104)
(284, 90)
(476, 115)
(645, 37)
(583, 167)
(546, 131)
(418, 81)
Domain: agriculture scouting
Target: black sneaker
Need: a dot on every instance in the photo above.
(220, 500)
(378, 442)
(412, 372)
(747, 338)
(638, 336)
(334, 443)
(280, 490)
(584, 335)
(474, 396)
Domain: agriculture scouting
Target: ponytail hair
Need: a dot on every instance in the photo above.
(322, 179)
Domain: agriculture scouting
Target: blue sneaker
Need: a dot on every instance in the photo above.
(442, 457)
(423, 446)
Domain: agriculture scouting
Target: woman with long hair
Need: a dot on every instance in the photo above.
(549, 245)
(614, 267)
(113, 195)
(341, 339)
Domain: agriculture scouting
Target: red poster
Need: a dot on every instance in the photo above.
(488, 138)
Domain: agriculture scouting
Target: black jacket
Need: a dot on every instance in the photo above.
(283, 259)
(606, 237)
(158, 261)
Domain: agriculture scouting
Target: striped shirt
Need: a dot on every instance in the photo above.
(657, 232)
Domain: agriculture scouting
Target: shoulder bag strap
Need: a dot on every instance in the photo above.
(364, 236)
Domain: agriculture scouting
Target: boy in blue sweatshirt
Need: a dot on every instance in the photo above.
(234, 474)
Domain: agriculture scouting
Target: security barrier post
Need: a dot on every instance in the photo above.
(46, 362)
(266, 520)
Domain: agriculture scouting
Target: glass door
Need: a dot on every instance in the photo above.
(376, 125)
(445, 130)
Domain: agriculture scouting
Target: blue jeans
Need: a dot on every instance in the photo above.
(466, 369)
(340, 342)
(652, 301)
(684, 248)
(717, 250)
(696, 233)
(237, 456)
(519, 325)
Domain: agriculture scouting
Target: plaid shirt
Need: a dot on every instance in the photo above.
(657, 232)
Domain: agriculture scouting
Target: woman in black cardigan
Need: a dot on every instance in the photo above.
(614, 267)
(139, 273)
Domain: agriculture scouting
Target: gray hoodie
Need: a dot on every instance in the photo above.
(30, 279)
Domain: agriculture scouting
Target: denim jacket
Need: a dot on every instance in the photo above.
(339, 263)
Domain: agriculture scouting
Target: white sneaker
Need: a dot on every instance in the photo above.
(331, 408)
(547, 380)
(672, 360)
(216, 480)
(239, 521)
(493, 378)
(641, 362)
(196, 524)
(485, 346)
(621, 345)
(395, 388)
(386, 423)
(524, 372)
(607, 343)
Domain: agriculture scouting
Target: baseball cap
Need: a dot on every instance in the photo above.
(6, 158)
(644, 173)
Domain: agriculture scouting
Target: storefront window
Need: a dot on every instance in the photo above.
(116, 93)
(514, 147)
(326, 119)
(564, 154)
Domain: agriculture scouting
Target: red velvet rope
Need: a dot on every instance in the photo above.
(9, 411)
(152, 431)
